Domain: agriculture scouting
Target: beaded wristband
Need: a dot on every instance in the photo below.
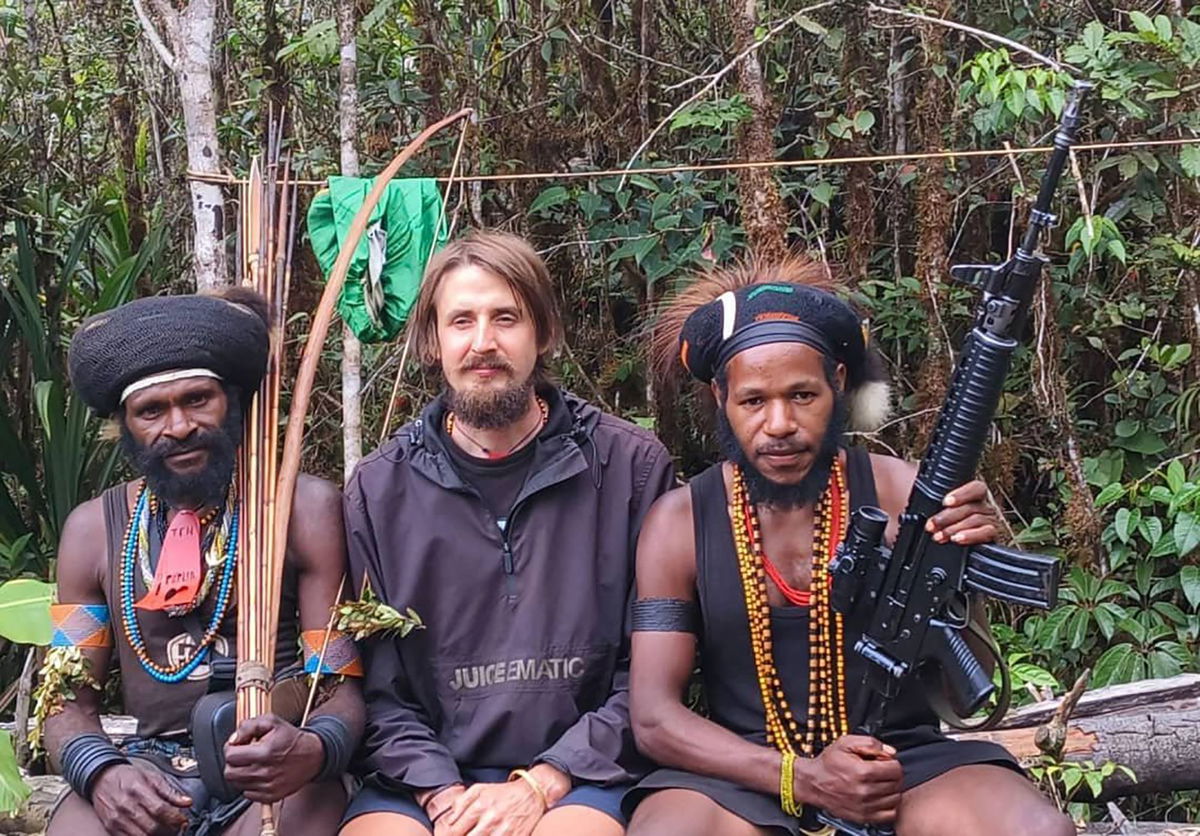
(787, 798)
(524, 775)
(335, 740)
(84, 757)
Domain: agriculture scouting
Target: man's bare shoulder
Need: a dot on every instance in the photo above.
(82, 551)
(316, 495)
(316, 539)
(666, 554)
(672, 508)
(894, 479)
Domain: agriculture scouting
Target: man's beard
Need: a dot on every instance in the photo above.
(205, 488)
(489, 408)
(764, 491)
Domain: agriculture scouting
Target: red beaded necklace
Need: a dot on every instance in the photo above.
(826, 719)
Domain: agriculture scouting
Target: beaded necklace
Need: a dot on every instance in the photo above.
(451, 426)
(215, 545)
(826, 719)
(133, 633)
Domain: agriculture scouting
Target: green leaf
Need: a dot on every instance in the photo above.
(1187, 532)
(1127, 427)
(1162, 24)
(1077, 630)
(549, 198)
(864, 120)
(1122, 523)
(1117, 250)
(1094, 782)
(811, 26)
(1189, 579)
(25, 611)
(1176, 476)
(1189, 160)
(1142, 22)
(1111, 493)
(643, 181)
(1115, 665)
(1151, 528)
(13, 790)
(822, 193)
(589, 203)
(1145, 442)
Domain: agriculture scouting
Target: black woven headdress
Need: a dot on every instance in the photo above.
(768, 312)
(159, 334)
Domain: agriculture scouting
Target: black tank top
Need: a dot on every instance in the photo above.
(727, 661)
(161, 708)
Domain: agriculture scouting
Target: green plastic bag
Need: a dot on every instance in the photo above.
(389, 261)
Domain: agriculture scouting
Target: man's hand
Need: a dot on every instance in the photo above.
(268, 758)
(510, 809)
(855, 778)
(132, 800)
(969, 519)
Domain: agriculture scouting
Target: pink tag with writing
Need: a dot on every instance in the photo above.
(177, 578)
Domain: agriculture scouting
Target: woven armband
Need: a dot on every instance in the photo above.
(665, 615)
(80, 625)
(340, 656)
(83, 759)
(335, 739)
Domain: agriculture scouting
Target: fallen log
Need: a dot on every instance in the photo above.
(1151, 727)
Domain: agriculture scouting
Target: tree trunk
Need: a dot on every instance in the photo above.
(856, 75)
(1152, 727)
(763, 214)
(187, 51)
(197, 97)
(933, 219)
(347, 131)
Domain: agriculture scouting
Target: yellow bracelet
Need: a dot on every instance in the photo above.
(787, 798)
(524, 775)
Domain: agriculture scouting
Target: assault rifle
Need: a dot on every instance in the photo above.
(916, 591)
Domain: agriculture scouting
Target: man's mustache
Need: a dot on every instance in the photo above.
(487, 363)
(165, 447)
(783, 449)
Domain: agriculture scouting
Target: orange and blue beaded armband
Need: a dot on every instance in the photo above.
(81, 625)
(330, 652)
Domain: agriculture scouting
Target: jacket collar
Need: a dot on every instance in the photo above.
(559, 454)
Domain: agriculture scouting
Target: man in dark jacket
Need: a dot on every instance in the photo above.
(506, 515)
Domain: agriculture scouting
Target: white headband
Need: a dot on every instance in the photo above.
(166, 377)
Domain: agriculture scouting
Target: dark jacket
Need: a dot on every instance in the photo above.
(523, 656)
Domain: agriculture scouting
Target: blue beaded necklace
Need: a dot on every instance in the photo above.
(133, 633)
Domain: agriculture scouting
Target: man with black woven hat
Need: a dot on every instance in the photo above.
(147, 570)
(734, 567)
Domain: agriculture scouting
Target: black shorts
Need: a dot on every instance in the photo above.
(372, 799)
(920, 763)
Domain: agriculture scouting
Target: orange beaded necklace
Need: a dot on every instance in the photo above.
(826, 719)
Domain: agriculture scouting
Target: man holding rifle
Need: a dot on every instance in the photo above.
(736, 567)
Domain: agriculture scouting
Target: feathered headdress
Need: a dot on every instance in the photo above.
(730, 309)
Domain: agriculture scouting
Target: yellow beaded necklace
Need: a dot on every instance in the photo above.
(826, 719)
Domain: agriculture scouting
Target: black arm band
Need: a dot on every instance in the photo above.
(335, 739)
(665, 615)
(84, 757)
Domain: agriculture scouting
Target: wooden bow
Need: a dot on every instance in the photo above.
(289, 467)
